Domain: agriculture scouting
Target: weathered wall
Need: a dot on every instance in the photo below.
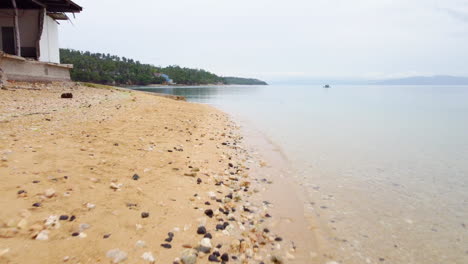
(49, 43)
(20, 69)
(28, 24)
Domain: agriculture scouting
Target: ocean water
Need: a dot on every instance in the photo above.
(384, 168)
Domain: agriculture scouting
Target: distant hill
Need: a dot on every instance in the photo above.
(243, 81)
(110, 69)
(422, 80)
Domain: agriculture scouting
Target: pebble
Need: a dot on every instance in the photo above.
(189, 256)
(43, 235)
(209, 213)
(208, 235)
(201, 230)
(49, 193)
(116, 255)
(36, 204)
(166, 245)
(115, 186)
(90, 206)
(148, 256)
(213, 258)
(63, 217)
(144, 215)
(135, 177)
(205, 245)
(225, 257)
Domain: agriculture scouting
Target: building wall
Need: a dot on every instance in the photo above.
(49, 43)
(28, 24)
(20, 69)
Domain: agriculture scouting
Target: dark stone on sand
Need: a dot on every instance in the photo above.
(199, 181)
(170, 234)
(225, 257)
(207, 203)
(278, 239)
(208, 235)
(209, 213)
(135, 177)
(219, 200)
(72, 218)
(225, 224)
(169, 239)
(106, 236)
(36, 181)
(21, 191)
(166, 245)
(75, 234)
(213, 258)
(229, 196)
(216, 253)
(220, 227)
(144, 215)
(266, 230)
(66, 95)
(36, 204)
(219, 246)
(267, 215)
(63, 217)
(231, 165)
(201, 230)
(235, 258)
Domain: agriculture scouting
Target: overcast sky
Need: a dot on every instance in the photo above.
(274, 39)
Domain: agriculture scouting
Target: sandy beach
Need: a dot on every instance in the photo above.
(113, 175)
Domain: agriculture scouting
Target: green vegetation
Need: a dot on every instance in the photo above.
(109, 69)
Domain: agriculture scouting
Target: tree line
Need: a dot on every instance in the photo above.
(110, 69)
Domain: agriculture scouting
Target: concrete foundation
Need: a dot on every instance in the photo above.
(20, 69)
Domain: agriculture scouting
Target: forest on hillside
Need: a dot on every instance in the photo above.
(110, 69)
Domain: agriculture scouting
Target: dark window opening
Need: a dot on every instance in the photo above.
(8, 40)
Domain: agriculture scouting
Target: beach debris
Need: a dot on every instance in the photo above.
(66, 96)
(116, 186)
(140, 244)
(116, 255)
(148, 256)
(43, 235)
(189, 256)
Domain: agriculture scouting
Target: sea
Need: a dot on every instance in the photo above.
(384, 168)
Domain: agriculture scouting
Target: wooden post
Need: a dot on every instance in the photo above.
(17, 33)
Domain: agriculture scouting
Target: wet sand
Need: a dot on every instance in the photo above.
(114, 176)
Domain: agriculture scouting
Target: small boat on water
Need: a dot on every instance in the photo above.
(326, 86)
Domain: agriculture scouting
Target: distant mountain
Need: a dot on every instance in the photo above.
(426, 80)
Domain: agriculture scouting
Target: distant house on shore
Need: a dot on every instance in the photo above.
(29, 49)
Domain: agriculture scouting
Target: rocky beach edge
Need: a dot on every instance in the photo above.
(104, 175)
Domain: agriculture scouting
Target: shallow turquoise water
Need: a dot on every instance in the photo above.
(385, 167)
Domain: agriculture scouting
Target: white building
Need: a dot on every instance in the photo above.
(29, 48)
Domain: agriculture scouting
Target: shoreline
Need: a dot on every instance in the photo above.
(130, 169)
